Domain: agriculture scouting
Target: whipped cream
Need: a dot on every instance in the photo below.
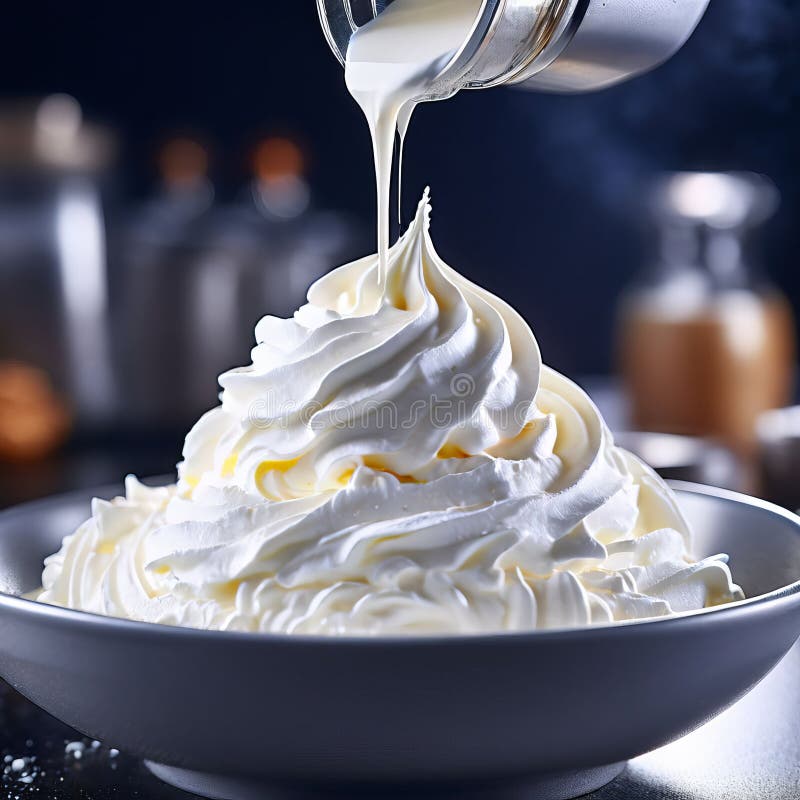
(396, 460)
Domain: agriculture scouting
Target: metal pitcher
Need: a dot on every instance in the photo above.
(545, 45)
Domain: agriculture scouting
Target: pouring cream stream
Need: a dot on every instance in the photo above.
(393, 63)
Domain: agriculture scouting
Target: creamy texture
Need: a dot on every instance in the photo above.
(395, 460)
(394, 62)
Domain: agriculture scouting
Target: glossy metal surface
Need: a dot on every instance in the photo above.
(614, 41)
(296, 710)
(547, 45)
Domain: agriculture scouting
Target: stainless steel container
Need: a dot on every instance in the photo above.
(192, 286)
(545, 45)
(54, 298)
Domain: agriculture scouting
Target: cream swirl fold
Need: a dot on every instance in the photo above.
(395, 460)
(432, 364)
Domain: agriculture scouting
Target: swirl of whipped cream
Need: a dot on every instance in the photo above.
(395, 460)
(391, 379)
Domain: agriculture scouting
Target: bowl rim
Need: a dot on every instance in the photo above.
(784, 595)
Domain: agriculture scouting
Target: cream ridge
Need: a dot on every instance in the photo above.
(395, 460)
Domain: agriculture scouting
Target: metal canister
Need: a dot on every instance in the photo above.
(545, 45)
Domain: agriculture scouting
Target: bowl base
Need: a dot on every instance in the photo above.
(546, 786)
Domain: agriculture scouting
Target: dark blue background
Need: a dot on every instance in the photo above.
(538, 197)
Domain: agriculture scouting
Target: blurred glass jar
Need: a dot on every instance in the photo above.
(53, 276)
(195, 276)
(706, 343)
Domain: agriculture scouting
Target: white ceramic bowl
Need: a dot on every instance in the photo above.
(230, 714)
